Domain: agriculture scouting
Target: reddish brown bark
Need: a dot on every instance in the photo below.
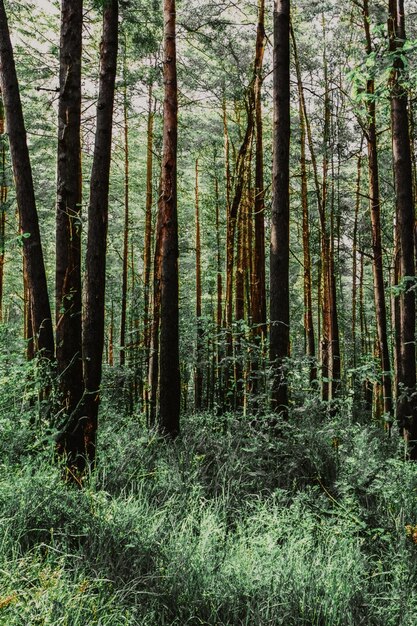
(169, 367)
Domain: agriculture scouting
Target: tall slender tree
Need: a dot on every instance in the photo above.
(358, 199)
(68, 219)
(406, 402)
(279, 345)
(258, 275)
(95, 274)
(198, 379)
(125, 271)
(375, 210)
(22, 170)
(147, 248)
(169, 367)
(308, 307)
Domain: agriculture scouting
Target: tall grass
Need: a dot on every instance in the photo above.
(229, 525)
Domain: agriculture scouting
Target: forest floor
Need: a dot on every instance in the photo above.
(228, 525)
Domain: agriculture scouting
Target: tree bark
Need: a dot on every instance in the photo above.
(25, 195)
(377, 253)
(198, 380)
(414, 170)
(169, 367)
(406, 403)
(258, 277)
(147, 331)
(325, 314)
(153, 370)
(279, 343)
(355, 257)
(94, 284)
(335, 348)
(308, 307)
(328, 311)
(68, 297)
(219, 259)
(232, 218)
(125, 272)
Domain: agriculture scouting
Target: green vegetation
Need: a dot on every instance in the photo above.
(228, 525)
(208, 372)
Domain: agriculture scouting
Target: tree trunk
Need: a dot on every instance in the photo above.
(147, 331)
(125, 271)
(219, 260)
(308, 307)
(218, 383)
(355, 257)
(377, 253)
(365, 347)
(94, 284)
(240, 262)
(328, 303)
(279, 346)
(27, 317)
(258, 277)
(406, 403)
(32, 248)
(335, 349)
(110, 359)
(414, 170)
(324, 283)
(395, 312)
(154, 331)
(198, 380)
(239, 187)
(68, 219)
(169, 367)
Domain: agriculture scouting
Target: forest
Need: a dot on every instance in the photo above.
(208, 248)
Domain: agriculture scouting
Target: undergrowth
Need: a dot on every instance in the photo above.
(229, 525)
